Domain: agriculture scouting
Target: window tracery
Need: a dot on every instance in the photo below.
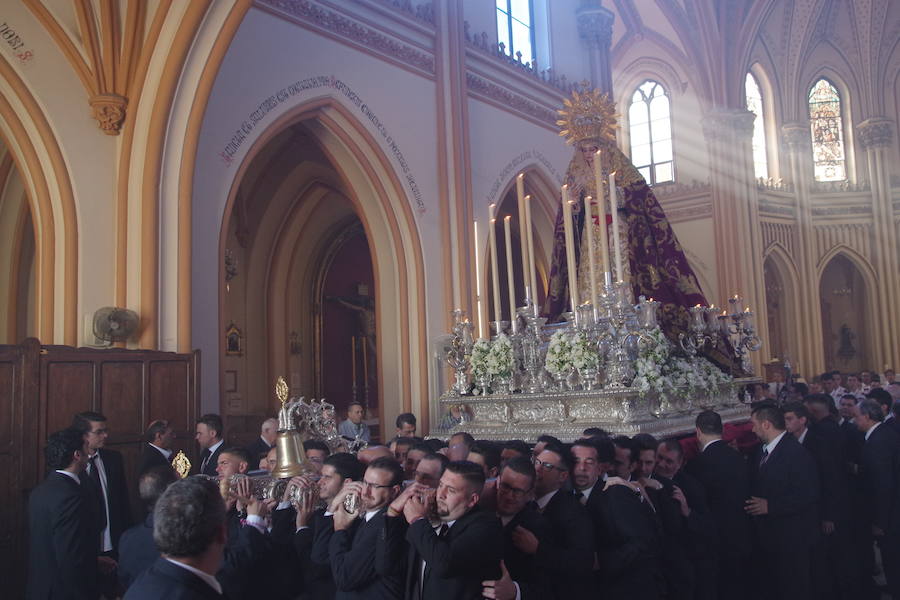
(827, 130)
(650, 129)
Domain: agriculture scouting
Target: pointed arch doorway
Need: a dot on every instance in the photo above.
(305, 177)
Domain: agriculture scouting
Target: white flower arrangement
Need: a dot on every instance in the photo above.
(658, 371)
(559, 353)
(583, 353)
(500, 359)
(481, 350)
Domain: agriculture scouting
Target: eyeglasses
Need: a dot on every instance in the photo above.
(375, 486)
(547, 466)
(516, 492)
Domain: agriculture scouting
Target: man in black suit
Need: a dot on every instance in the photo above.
(63, 538)
(106, 470)
(879, 473)
(265, 442)
(137, 550)
(311, 528)
(886, 401)
(189, 529)
(723, 472)
(568, 555)
(627, 539)
(157, 451)
(209, 436)
(522, 575)
(357, 536)
(783, 504)
(451, 562)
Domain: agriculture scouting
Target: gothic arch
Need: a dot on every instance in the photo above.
(846, 93)
(26, 132)
(783, 264)
(771, 120)
(379, 199)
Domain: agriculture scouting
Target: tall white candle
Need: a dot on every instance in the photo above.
(532, 272)
(614, 210)
(509, 273)
(570, 248)
(478, 299)
(589, 229)
(495, 274)
(523, 236)
(601, 211)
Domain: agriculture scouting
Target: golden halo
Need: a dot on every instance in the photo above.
(589, 114)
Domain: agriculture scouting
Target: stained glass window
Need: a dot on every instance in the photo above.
(827, 132)
(650, 127)
(755, 105)
(514, 28)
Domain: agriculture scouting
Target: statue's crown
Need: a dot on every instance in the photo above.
(588, 115)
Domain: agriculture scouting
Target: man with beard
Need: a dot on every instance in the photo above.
(357, 535)
(569, 552)
(626, 537)
(449, 563)
(522, 576)
(312, 528)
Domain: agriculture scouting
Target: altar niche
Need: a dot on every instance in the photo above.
(296, 259)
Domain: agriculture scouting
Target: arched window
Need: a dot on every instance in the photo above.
(514, 28)
(755, 105)
(827, 132)
(650, 127)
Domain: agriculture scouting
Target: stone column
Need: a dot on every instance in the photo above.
(798, 144)
(595, 28)
(875, 135)
(738, 238)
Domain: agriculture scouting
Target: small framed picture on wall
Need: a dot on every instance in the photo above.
(230, 381)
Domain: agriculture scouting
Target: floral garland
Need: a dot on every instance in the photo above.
(481, 350)
(657, 370)
(500, 359)
(559, 353)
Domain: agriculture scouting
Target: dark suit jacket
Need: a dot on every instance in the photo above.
(628, 542)
(456, 564)
(63, 541)
(879, 473)
(353, 565)
(825, 442)
(151, 457)
(723, 472)
(247, 551)
(569, 553)
(311, 546)
(116, 494)
(257, 450)
(535, 582)
(137, 551)
(211, 464)
(789, 482)
(165, 580)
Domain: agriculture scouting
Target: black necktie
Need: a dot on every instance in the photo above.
(94, 475)
(765, 457)
(205, 455)
(444, 529)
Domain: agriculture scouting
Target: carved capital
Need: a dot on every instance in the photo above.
(876, 132)
(796, 135)
(595, 27)
(109, 110)
(728, 124)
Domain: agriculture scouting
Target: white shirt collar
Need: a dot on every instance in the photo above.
(209, 579)
(69, 474)
(871, 429)
(545, 499)
(370, 514)
(770, 447)
(266, 442)
(803, 435)
(212, 449)
(586, 493)
(166, 453)
(710, 443)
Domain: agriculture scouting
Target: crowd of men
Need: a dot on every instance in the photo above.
(799, 516)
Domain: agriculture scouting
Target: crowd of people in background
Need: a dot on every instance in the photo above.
(810, 509)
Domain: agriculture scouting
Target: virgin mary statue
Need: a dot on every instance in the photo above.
(653, 261)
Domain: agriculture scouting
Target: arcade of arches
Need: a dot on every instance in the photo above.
(294, 195)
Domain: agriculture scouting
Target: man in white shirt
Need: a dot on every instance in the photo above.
(189, 529)
(209, 436)
(353, 428)
(160, 438)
